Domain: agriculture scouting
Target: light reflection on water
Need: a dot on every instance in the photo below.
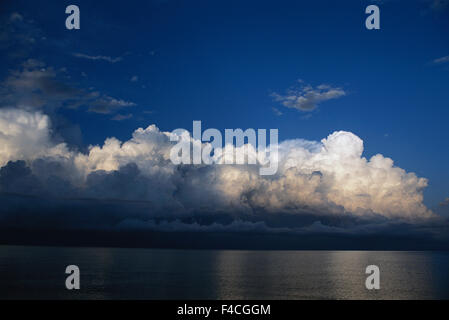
(112, 273)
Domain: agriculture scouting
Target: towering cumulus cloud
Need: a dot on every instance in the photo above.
(327, 178)
(25, 135)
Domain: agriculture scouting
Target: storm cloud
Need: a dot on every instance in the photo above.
(327, 178)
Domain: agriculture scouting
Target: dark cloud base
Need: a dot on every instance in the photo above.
(206, 240)
(109, 223)
(40, 207)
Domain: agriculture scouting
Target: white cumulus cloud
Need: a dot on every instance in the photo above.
(327, 177)
(26, 136)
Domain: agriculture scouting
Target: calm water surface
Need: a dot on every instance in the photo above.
(112, 273)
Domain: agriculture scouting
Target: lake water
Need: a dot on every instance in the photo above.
(116, 273)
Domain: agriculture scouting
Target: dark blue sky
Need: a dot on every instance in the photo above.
(222, 61)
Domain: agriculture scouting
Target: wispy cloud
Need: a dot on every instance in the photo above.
(306, 97)
(121, 117)
(277, 112)
(107, 105)
(19, 35)
(103, 58)
(15, 16)
(441, 60)
(439, 4)
(39, 87)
